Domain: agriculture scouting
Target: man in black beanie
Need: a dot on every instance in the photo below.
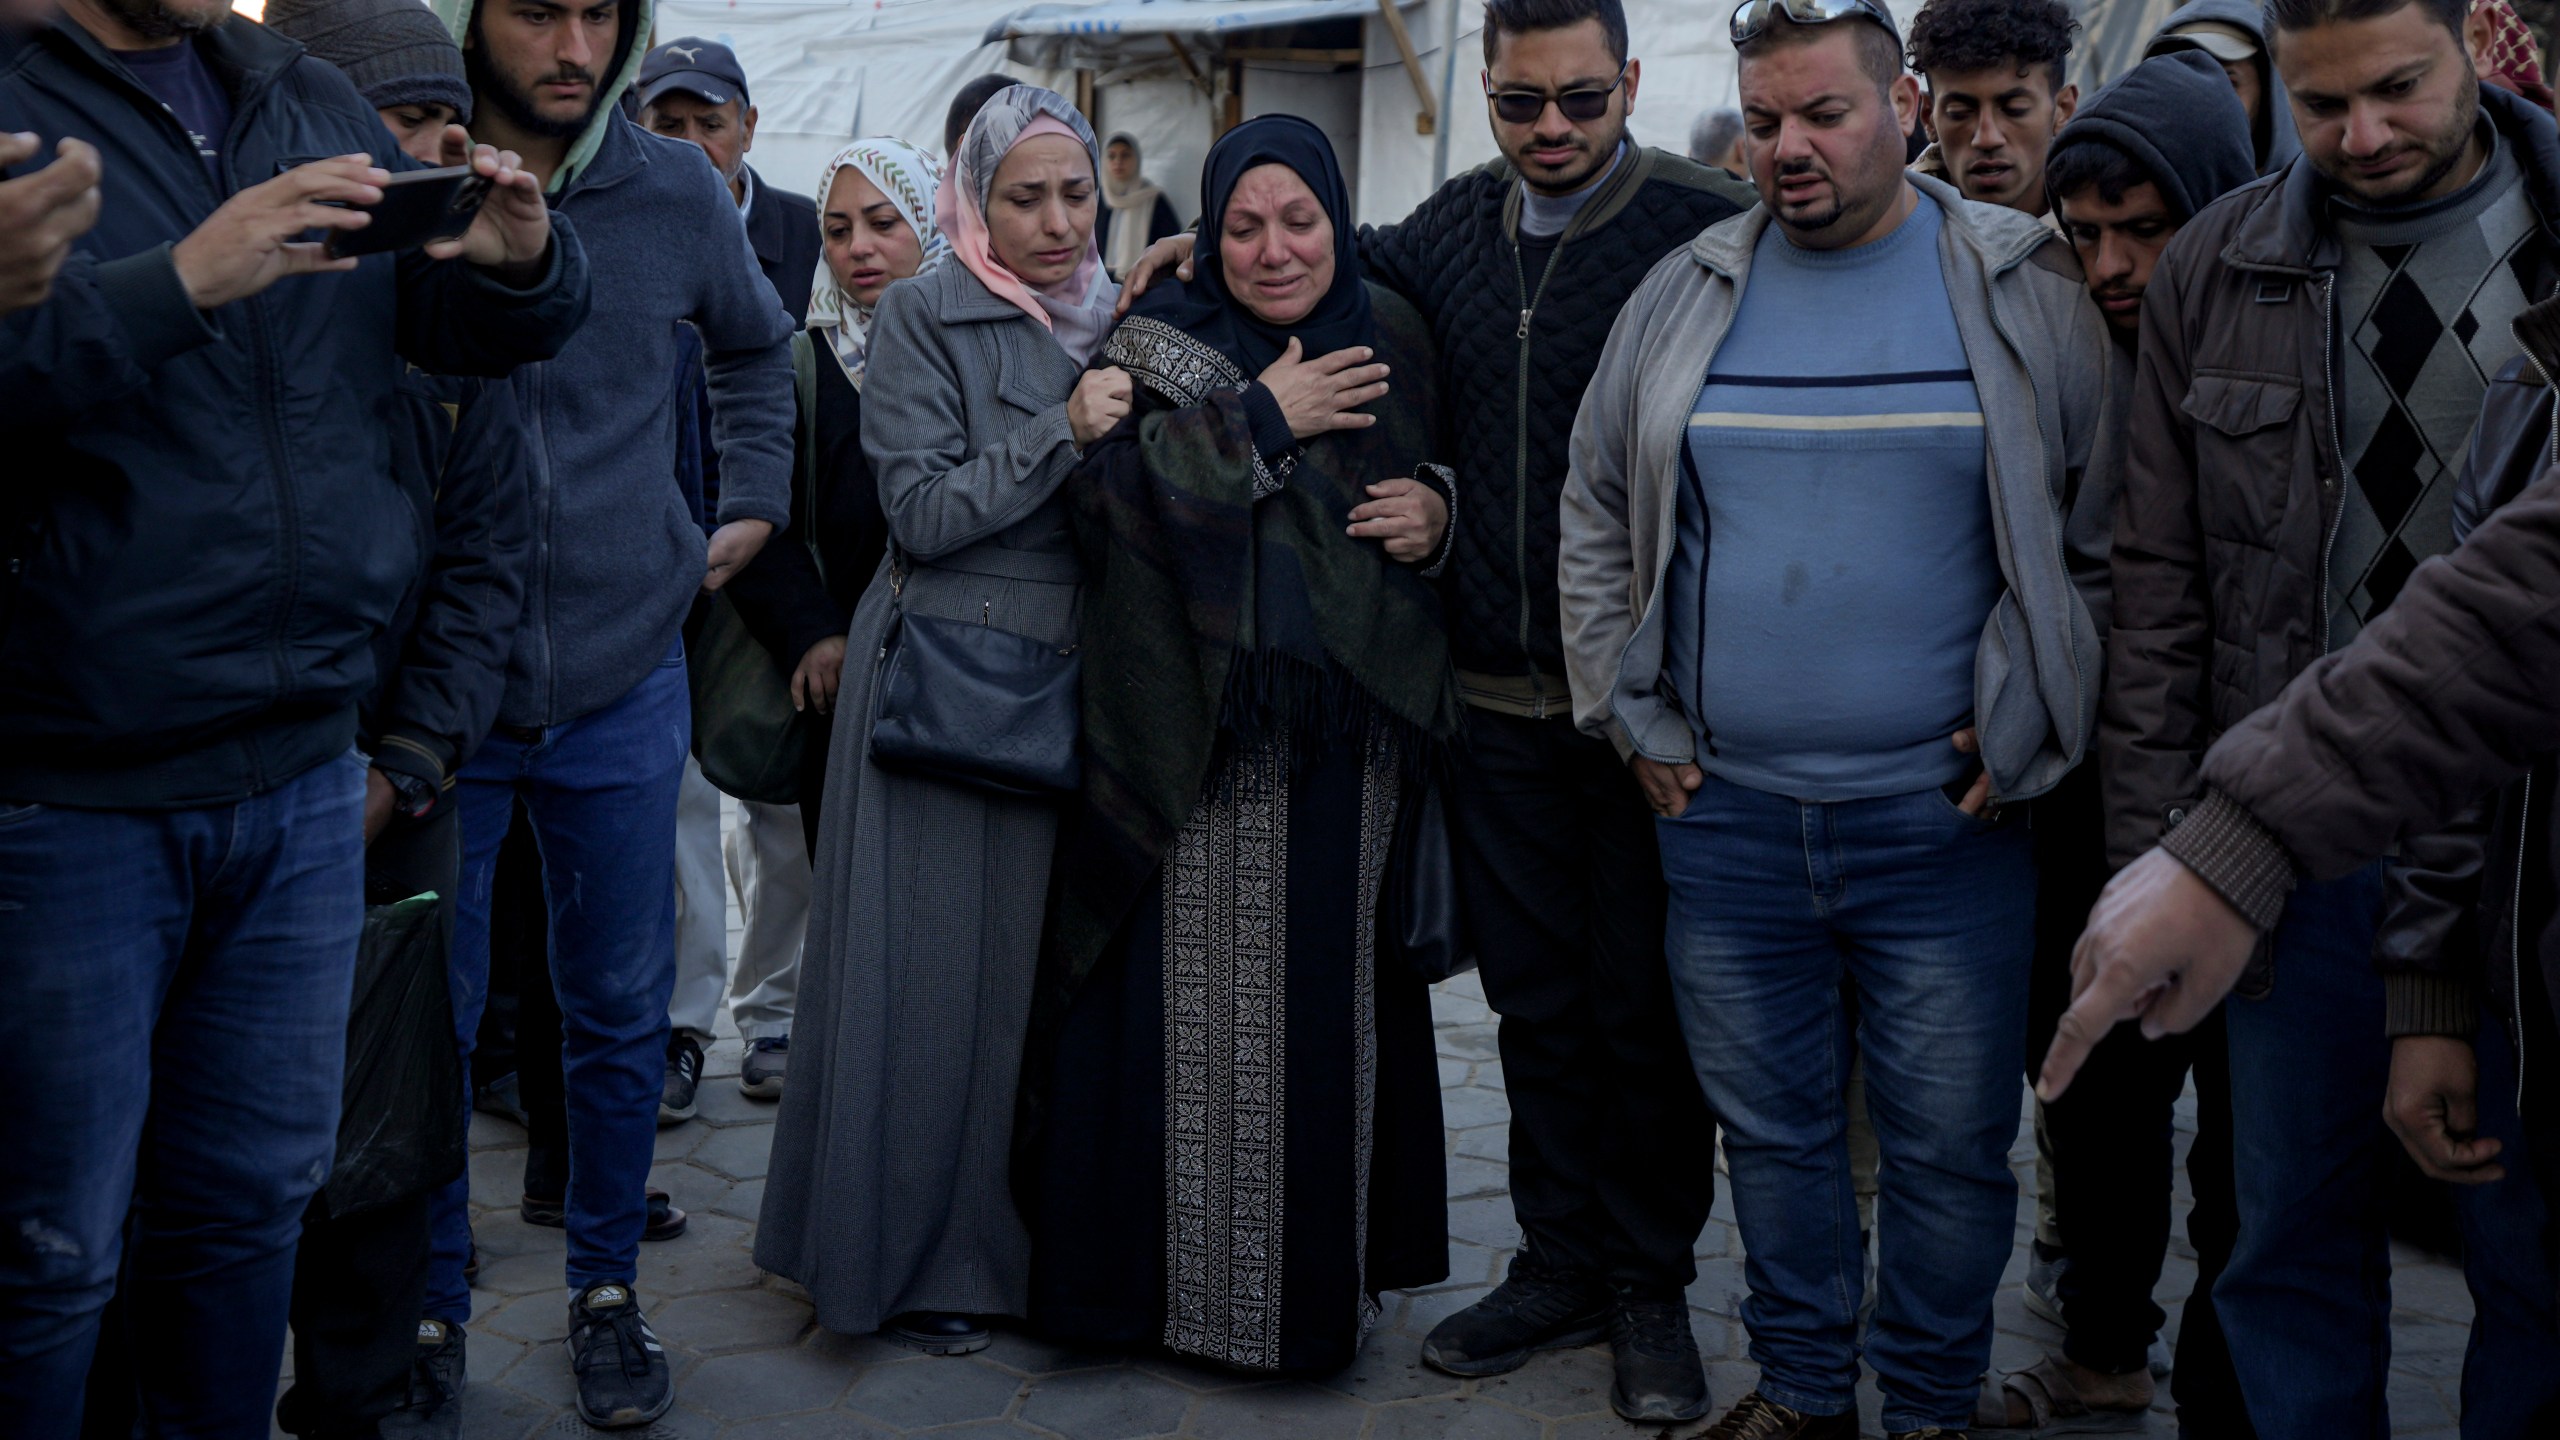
(398, 55)
(361, 1353)
(2136, 162)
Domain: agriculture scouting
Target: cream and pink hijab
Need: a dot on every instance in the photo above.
(1076, 310)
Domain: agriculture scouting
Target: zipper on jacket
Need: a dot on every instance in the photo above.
(2515, 933)
(1520, 460)
(2337, 448)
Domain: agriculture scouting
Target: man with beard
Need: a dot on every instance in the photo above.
(1996, 97)
(205, 538)
(2314, 354)
(1521, 267)
(1832, 608)
(593, 726)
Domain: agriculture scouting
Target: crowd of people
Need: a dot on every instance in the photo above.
(1146, 659)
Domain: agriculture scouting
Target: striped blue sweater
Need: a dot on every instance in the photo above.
(1835, 563)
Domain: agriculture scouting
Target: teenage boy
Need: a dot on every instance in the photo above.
(1995, 95)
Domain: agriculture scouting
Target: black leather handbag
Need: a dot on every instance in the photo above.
(975, 705)
(1419, 912)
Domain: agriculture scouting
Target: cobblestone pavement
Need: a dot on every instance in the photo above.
(752, 1366)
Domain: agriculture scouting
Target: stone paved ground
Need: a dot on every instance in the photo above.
(752, 1366)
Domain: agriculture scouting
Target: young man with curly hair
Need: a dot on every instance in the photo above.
(1996, 95)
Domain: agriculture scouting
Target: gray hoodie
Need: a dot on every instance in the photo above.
(618, 554)
(2047, 376)
(2275, 137)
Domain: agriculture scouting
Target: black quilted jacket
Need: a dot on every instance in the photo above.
(1457, 259)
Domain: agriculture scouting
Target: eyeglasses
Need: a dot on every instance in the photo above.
(1751, 17)
(1523, 107)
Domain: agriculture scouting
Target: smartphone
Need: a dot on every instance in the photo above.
(418, 207)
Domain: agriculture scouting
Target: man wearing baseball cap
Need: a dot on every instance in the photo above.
(2234, 34)
(693, 89)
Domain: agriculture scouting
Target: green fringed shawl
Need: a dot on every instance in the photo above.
(1171, 535)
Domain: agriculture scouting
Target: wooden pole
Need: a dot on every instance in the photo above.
(1429, 118)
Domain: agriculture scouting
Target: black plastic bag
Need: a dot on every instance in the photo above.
(404, 1125)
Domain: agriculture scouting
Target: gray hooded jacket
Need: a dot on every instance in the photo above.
(618, 554)
(2046, 372)
(2276, 140)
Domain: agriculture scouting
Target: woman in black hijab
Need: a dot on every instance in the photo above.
(1230, 1130)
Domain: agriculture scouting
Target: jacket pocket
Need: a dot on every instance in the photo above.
(2250, 446)
(2238, 406)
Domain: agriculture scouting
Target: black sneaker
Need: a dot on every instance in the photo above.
(432, 1410)
(1661, 1381)
(622, 1373)
(1533, 1309)
(760, 1074)
(684, 1076)
(1761, 1418)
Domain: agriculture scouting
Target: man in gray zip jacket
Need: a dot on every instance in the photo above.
(1889, 408)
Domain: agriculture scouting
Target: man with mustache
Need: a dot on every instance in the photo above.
(2314, 352)
(1996, 96)
(1831, 584)
(594, 723)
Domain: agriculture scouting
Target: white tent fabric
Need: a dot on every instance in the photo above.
(823, 71)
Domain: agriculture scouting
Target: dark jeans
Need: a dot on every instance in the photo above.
(1612, 1152)
(2306, 1301)
(2114, 1161)
(360, 1280)
(182, 977)
(600, 792)
(1930, 914)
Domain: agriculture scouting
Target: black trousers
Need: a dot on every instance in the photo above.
(360, 1281)
(1612, 1160)
(2114, 1164)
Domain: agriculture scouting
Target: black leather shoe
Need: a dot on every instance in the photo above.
(1533, 1309)
(936, 1332)
(1761, 1418)
(623, 1380)
(1661, 1381)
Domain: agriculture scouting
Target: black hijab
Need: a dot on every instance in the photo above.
(1208, 312)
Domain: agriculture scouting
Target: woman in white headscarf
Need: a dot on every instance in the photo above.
(888, 1196)
(1135, 213)
(876, 226)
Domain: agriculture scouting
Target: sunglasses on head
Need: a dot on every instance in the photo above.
(1523, 107)
(1753, 16)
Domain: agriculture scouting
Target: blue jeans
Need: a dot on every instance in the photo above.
(178, 982)
(1930, 915)
(2306, 1301)
(600, 792)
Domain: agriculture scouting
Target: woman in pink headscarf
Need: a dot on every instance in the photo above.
(889, 1195)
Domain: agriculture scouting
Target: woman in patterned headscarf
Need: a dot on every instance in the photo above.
(876, 226)
(889, 1195)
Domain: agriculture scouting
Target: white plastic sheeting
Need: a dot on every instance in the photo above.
(823, 71)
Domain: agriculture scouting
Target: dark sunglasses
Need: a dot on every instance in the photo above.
(1523, 107)
(1752, 16)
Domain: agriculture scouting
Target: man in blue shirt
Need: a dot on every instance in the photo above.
(1821, 589)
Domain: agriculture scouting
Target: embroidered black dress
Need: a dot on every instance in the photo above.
(1230, 1132)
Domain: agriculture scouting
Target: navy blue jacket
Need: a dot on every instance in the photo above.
(202, 532)
(463, 462)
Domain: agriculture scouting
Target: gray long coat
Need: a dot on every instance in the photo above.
(889, 1189)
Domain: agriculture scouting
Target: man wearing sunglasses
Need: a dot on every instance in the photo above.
(1830, 607)
(1521, 267)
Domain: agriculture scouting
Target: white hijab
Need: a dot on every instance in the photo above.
(909, 177)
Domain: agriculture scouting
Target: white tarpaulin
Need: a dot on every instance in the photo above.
(824, 71)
